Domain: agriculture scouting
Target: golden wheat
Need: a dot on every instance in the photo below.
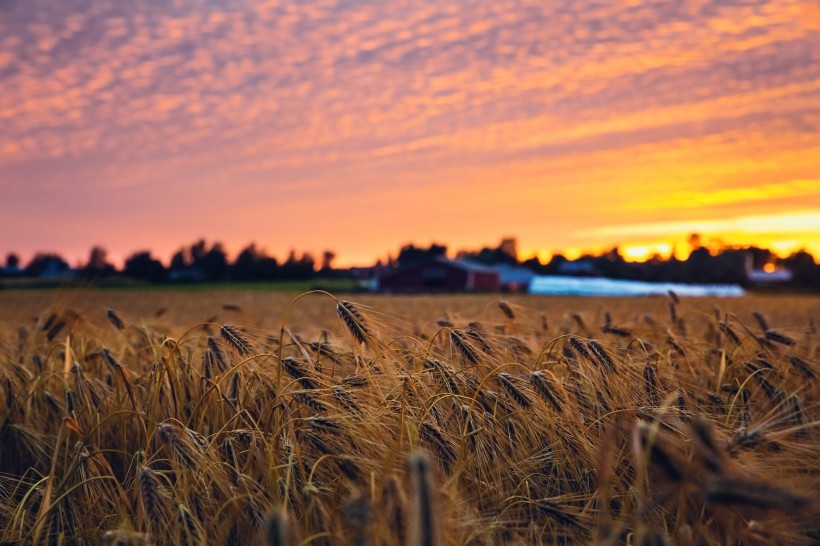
(376, 423)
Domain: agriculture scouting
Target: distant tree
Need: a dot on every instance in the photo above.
(253, 264)
(290, 268)
(180, 260)
(214, 263)
(97, 259)
(327, 260)
(410, 253)
(509, 247)
(553, 267)
(47, 264)
(197, 252)
(296, 268)
(695, 241)
(611, 264)
(141, 265)
(728, 267)
(199, 261)
(97, 265)
(268, 268)
(806, 273)
(534, 265)
(505, 253)
(245, 265)
(696, 266)
(760, 256)
(307, 262)
(12, 261)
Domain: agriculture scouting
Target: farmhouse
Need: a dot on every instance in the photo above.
(440, 275)
(769, 274)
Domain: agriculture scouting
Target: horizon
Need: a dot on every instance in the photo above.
(665, 252)
(354, 126)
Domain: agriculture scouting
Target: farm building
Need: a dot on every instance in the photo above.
(440, 275)
(769, 274)
(513, 278)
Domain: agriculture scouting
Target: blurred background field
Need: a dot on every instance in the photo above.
(263, 306)
(202, 415)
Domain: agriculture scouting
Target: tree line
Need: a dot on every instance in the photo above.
(202, 261)
(704, 265)
(199, 261)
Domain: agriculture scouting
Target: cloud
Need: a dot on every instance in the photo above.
(641, 105)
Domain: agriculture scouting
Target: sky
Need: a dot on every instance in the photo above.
(359, 126)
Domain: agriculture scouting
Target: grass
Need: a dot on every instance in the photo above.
(226, 416)
(116, 284)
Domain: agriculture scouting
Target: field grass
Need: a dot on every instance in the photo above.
(225, 416)
(119, 284)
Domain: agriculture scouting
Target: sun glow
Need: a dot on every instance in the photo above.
(642, 253)
(361, 127)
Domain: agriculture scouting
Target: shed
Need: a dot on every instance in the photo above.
(440, 275)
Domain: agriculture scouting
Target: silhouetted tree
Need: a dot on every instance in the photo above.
(253, 264)
(180, 260)
(12, 261)
(244, 267)
(327, 260)
(197, 252)
(47, 265)
(760, 256)
(214, 263)
(695, 241)
(308, 263)
(504, 253)
(410, 253)
(534, 265)
(696, 266)
(611, 264)
(509, 247)
(97, 265)
(554, 265)
(268, 268)
(298, 268)
(141, 265)
(200, 262)
(806, 273)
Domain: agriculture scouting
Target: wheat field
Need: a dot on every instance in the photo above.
(231, 417)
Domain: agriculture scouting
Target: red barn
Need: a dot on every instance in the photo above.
(440, 275)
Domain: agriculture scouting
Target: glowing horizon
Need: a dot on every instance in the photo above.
(358, 127)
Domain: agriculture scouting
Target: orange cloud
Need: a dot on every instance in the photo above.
(561, 122)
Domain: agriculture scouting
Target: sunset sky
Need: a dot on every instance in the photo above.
(359, 126)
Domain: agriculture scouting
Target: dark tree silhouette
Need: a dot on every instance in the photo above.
(47, 264)
(180, 260)
(327, 260)
(12, 261)
(141, 265)
(505, 253)
(200, 262)
(253, 264)
(554, 265)
(97, 265)
(214, 263)
(806, 272)
(410, 253)
(298, 268)
(706, 264)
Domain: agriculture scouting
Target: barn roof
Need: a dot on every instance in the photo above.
(464, 265)
(471, 266)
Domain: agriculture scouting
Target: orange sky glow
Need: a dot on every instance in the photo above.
(359, 126)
